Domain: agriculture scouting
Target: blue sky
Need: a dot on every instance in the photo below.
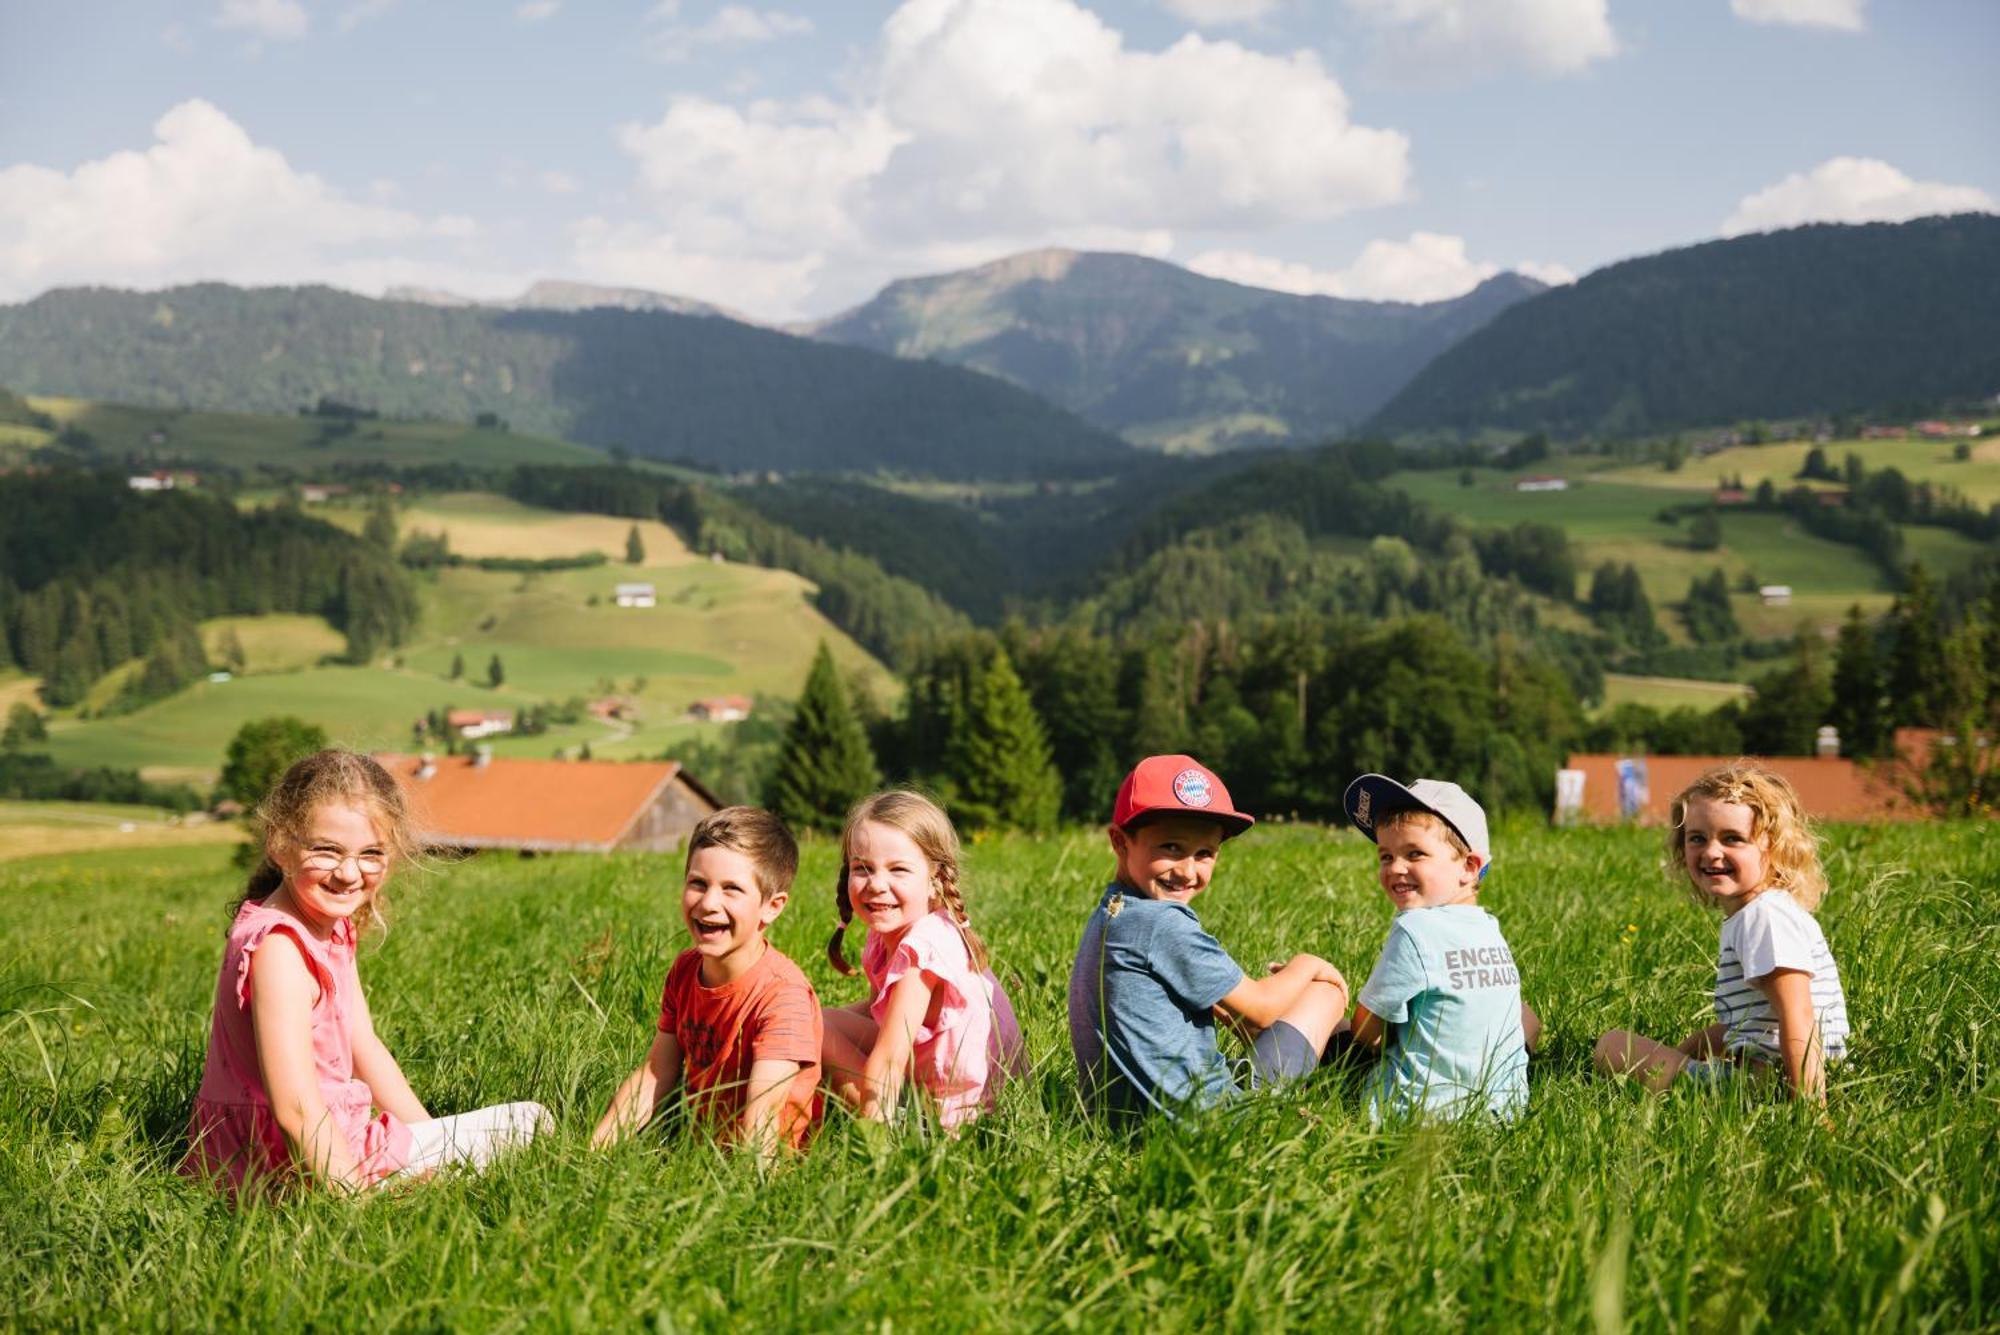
(785, 159)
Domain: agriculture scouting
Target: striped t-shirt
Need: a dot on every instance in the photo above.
(1773, 932)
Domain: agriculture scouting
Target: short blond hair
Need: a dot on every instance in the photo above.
(756, 834)
(1776, 815)
(1424, 820)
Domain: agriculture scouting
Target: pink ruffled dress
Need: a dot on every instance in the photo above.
(973, 1042)
(233, 1138)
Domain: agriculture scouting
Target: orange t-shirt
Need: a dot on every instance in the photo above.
(769, 1014)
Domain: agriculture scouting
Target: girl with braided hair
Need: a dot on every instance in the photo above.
(936, 1017)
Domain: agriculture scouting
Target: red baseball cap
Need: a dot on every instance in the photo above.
(1180, 786)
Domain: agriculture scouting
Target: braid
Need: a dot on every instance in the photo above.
(954, 903)
(836, 949)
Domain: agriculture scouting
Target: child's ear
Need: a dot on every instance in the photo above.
(1120, 840)
(772, 907)
(1475, 868)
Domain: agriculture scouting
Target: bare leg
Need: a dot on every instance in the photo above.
(1317, 1013)
(1531, 1027)
(1654, 1065)
(846, 1039)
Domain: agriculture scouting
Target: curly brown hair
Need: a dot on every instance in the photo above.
(1776, 816)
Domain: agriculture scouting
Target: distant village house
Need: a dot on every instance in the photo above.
(1542, 484)
(319, 493)
(163, 479)
(1775, 595)
(472, 724)
(549, 806)
(634, 595)
(720, 709)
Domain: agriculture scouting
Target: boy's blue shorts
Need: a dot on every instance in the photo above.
(1281, 1053)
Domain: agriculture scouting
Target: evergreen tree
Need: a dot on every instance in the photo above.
(380, 530)
(24, 725)
(1915, 675)
(824, 765)
(1705, 534)
(496, 674)
(997, 760)
(457, 666)
(232, 650)
(263, 749)
(635, 548)
(1857, 706)
(1783, 716)
(1709, 617)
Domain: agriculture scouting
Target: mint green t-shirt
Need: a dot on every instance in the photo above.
(1446, 986)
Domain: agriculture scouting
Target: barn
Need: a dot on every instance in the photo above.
(549, 806)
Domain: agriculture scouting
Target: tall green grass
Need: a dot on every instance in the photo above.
(504, 979)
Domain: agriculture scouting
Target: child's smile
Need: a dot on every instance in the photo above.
(726, 912)
(1420, 870)
(336, 868)
(1169, 858)
(1723, 855)
(889, 880)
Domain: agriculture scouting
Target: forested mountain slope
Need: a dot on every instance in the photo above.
(1167, 356)
(1823, 319)
(660, 384)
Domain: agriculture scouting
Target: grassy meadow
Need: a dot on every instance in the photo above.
(720, 628)
(505, 979)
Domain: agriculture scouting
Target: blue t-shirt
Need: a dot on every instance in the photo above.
(1447, 987)
(1141, 1006)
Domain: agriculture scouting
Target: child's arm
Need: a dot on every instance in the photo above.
(376, 1067)
(281, 1001)
(1531, 1028)
(1800, 1050)
(639, 1097)
(889, 1060)
(1261, 1002)
(1704, 1043)
(770, 1081)
(1368, 1028)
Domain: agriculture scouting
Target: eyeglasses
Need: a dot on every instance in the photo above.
(367, 864)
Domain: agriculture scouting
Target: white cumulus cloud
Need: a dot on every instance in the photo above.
(534, 11)
(981, 126)
(1427, 267)
(1217, 13)
(732, 25)
(1842, 14)
(203, 202)
(275, 20)
(1449, 36)
(1851, 190)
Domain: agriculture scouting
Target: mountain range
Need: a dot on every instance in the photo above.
(1165, 356)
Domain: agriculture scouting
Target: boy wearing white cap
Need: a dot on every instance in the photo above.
(1444, 999)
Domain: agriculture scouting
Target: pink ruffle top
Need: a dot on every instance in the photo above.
(971, 1041)
(233, 1138)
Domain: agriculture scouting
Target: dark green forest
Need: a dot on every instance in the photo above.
(661, 385)
(1890, 318)
(93, 574)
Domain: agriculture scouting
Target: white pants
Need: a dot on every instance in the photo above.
(473, 1138)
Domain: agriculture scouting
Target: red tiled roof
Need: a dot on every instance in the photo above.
(541, 804)
(464, 718)
(1831, 788)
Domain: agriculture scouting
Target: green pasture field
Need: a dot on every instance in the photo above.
(33, 829)
(1669, 692)
(720, 629)
(245, 440)
(1919, 460)
(506, 979)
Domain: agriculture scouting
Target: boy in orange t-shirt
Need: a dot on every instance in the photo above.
(739, 1024)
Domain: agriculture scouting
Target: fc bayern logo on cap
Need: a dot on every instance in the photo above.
(1191, 788)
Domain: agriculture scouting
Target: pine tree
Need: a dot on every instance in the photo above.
(1705, 534)
(824, 765)
(380, 530)
(232, 650)
(1857, 688)
(1915, 661)
(457, 666)
(635, 548)
(495, 673)
(997, 760)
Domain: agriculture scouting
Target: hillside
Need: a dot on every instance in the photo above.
(1815, 320)
(1166, 356)
(660, 384)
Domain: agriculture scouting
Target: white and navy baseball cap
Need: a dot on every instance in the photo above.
(1372, 797)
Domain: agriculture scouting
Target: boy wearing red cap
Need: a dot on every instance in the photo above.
(1148, 982)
